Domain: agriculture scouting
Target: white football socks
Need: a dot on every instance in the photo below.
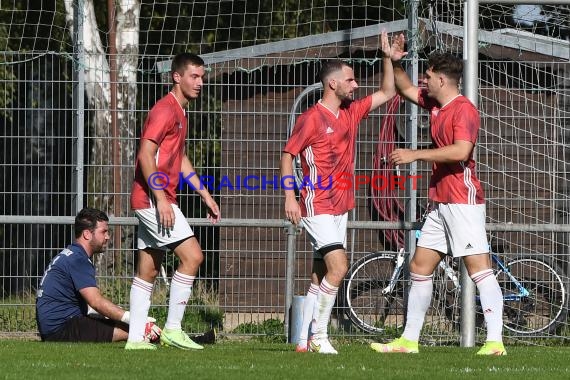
(491, 303)
(419, 299)
(180, 291)
(139, 305)
(325, 302)
(308, 311)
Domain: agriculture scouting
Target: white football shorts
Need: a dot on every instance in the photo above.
(326, 233)
(455, 229)
(152, 235)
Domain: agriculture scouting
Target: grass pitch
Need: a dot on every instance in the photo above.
(255, 360)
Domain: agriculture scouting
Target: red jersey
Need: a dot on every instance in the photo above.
(457, 120)
(166, 126)
(326, 143)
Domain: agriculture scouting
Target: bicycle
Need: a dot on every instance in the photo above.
(534, 292)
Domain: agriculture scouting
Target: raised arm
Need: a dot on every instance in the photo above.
(387, 89)
(404, 85)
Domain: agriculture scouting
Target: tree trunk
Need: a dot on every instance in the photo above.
(100, 178)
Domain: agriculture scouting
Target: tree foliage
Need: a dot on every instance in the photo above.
(7, 77)
(170, 27)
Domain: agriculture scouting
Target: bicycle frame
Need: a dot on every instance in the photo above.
(523, 292)
(451, 274)
(400, 258)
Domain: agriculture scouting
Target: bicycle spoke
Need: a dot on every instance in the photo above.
(367, 305)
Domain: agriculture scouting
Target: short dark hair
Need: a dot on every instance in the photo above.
(447, 64)
(87, 220)
(330, 67)
(180, 61)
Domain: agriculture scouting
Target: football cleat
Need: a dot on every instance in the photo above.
(322, 346)
(492, 349)
(139, 346)
(178, 339)
(301, 348)
(209, 337)
(400, 345)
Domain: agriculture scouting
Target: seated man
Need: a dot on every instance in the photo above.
(68, 289)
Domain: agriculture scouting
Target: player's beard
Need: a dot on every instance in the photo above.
(98, 247)
(345, 98)
(345, 102)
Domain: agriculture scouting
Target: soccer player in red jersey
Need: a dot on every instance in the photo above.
(324, 136)
(161, 160)
(456, 223)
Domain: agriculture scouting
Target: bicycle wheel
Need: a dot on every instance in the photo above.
(366, 305)
(545, 307)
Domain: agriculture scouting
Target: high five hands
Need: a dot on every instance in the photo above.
(397, 49)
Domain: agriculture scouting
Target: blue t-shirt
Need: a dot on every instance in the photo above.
(58, 298)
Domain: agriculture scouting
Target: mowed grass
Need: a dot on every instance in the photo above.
(254, 360)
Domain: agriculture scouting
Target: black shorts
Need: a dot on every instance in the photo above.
(83, 329)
